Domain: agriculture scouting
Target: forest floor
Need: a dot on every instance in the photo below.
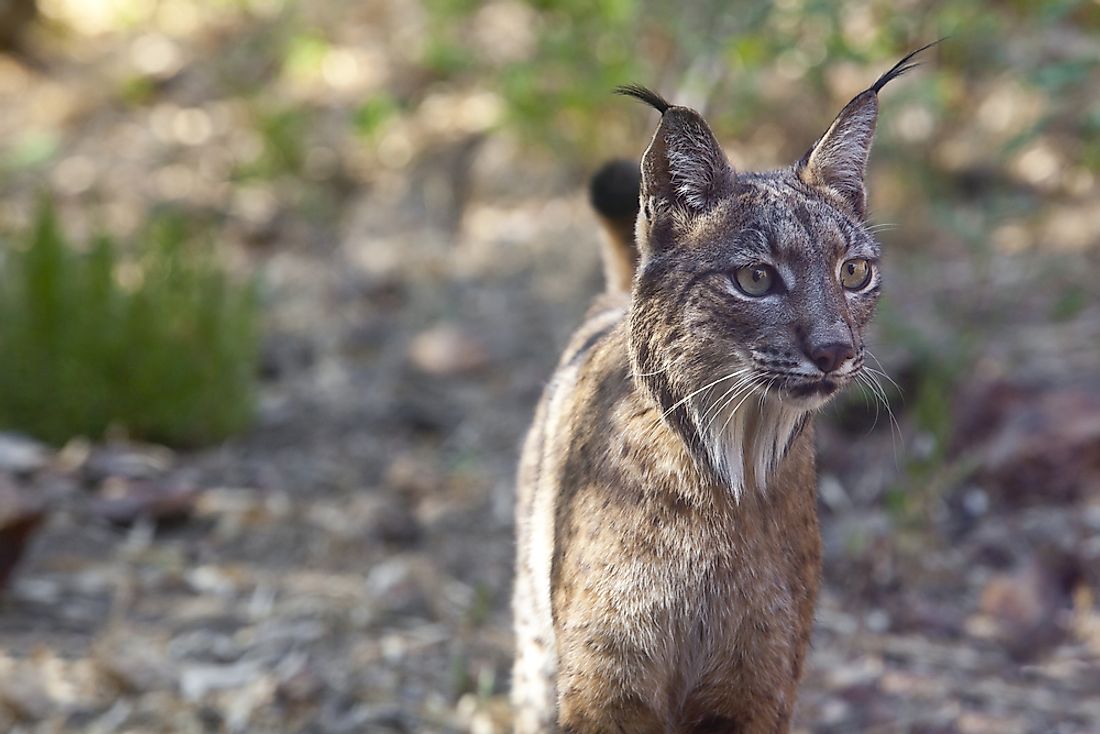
(345, 566)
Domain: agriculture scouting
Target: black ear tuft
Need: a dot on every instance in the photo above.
(902, 66)
(646, 95)
(837, 163)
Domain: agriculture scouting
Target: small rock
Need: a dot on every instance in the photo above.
(934, 727)
(198, 680)
(114, 718)
(447, 350)
(301, 688)
(128, 461)
(24, 698)
(21, 455)
(398, 586)
(123, 502)
(417, 477)
(205, 645)
(132, 668)
(913, 612)
(210, 579)
(285, 354)
(244, 701)
(343, 717)
(73, 455)
(395, 523)
(1015, 600)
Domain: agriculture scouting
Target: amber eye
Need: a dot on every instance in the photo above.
(855, 274)
(756, 280)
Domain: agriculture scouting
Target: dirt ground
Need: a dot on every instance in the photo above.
(345, 566)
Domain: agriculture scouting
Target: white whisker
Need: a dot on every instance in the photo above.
(870, 380)
(881, 226)
(681, 401)
(742, 388)
(863, 390)
(882, 371)
(738, 406)
(872, 377)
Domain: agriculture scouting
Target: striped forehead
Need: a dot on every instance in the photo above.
(792, 225)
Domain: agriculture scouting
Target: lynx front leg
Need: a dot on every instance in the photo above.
(534, 695)
(533, 692)
(597, 687)
(582, 713)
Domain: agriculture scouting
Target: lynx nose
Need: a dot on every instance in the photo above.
(828, 357)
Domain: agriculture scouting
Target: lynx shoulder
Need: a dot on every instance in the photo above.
(668, 554)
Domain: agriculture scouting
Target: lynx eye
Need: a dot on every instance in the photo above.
(756, 280)
(855, 274)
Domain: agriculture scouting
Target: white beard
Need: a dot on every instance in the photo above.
(747, 442)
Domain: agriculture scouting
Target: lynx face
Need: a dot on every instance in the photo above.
(778, 284)
(753, 289)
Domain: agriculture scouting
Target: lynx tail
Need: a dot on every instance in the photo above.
(614, 195)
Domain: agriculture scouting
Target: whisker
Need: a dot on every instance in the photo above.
(727, 397)
(863, 390)
(742, 373)
(715, 405)
(882, 371)
(894, 425)
(767, 387)
(871, 375)
(681, 401)
(744, 390)
(737, 407)
(869, 387)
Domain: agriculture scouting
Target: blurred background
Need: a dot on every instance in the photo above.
(281, 281)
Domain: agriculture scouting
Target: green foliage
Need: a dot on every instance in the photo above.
(282, 135)
(169, 356)
(32, 149)
(558, 94)
(373, 114)
(1070, 302)
(554, 97)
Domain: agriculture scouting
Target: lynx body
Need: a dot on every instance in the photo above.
(668, 552)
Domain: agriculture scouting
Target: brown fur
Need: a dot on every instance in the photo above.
(668, 562)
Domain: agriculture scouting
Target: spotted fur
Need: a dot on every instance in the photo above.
(668, 552)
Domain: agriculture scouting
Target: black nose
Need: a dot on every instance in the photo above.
(828, 357)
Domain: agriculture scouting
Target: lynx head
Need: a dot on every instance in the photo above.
(753, 289)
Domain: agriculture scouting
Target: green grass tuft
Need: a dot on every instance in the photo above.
(167, 353)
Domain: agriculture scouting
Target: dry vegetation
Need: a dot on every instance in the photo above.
(404, 179)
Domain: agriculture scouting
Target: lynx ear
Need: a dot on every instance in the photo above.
(837, 162)
(684, 167)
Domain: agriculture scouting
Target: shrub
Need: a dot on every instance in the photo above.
(167, 353)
